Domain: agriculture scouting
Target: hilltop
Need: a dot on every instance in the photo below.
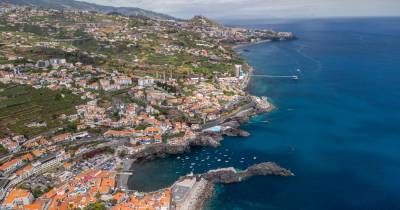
(79, 5)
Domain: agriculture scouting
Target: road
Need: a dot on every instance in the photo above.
(224, 118)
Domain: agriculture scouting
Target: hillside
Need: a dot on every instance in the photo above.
(72, 4)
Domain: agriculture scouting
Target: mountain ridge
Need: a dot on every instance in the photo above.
(80, 5)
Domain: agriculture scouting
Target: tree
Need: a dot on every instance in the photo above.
(95, 206)
(58, 97)
(122, 154)
(98, 195)
(37, 192)
(113, 202)
(71, 127)
(3, 150)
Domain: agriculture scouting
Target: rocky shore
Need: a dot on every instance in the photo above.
(229, 126)
(231, 175)
(203, 185)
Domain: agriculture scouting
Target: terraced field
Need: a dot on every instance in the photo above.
(21, 105)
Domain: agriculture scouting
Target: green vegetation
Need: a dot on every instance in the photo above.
(229, 93)
(165, 137)
(3, 150)
(37, 191)
(142, 126)
(24, 104)
(167, 87)
(40, 53)
(95, 206)
(71, 127)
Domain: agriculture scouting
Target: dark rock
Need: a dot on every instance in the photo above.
(231, 175)
(159, 150)
(207, 139)
(235, 132)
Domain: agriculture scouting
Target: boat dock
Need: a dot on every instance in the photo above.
(295, 77)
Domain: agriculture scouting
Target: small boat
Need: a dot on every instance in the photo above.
(295, 77)
(219, 160)
(254, 157)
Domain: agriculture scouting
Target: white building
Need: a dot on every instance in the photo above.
(145, 82)
(238, 70)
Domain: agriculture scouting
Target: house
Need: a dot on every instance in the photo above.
(123, 133)
(38, 152)
(17, 197)
(11, 165)
(57, 61)
(151, 131)
(145, 82)
(62, 137)
(93, 86)
(42, 64)
(79, 135)
(122, 80)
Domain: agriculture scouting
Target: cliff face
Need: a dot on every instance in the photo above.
(159, 151)
(231, 127)
(162, 150)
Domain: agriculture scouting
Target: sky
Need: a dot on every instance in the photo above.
(258, 9)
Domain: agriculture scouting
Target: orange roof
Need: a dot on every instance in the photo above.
(10, 163)
(37, 205)
(118, 196)
(67, 165)
(119, 133)
(153, 129)
(110, 182)
(61, 137)
(37, 152)
(28, 156)
(15, 194)
(24, 169)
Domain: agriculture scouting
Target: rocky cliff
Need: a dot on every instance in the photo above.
(231, 175)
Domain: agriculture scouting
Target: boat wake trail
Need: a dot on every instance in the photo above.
(317, 62)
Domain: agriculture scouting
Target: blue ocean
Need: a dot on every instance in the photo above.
(337, 127)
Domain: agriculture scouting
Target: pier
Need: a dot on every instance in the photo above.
(295, 77)
(129, 173)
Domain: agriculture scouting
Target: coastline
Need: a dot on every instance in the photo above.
(248, 44)
(206, 139)
(213, 139)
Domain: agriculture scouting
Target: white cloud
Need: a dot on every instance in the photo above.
(264, 8)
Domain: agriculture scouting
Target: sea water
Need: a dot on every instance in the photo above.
(337, 127)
